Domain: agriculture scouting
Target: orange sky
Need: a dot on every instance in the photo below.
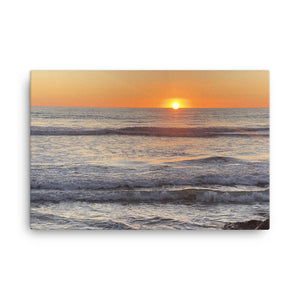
(150, 88)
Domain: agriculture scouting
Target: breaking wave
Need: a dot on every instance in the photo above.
(261, 180)
(155, 131)
(183, 196)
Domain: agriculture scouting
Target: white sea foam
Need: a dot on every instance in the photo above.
(184, 196)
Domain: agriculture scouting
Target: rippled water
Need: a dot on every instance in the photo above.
(131, 168)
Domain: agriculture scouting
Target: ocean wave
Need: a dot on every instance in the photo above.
(43, 220)
(47, 220)
(154, 131)
(165, 222)
(183, 196)
(261, 180)
(211, 159)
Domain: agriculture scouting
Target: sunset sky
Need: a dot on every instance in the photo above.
(150, 88)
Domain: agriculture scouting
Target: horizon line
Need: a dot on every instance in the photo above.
(143, 107)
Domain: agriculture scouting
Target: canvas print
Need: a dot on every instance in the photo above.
(149, 150)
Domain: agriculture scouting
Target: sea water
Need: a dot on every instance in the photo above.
(148, 168)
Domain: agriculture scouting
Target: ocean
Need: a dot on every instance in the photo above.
(148, 168)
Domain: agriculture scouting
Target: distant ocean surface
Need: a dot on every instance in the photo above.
(148, 168)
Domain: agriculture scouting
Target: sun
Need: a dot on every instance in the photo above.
(175, 105)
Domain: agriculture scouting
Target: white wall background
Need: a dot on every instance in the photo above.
(153, 34)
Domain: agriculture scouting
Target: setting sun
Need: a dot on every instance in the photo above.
(175, 105)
